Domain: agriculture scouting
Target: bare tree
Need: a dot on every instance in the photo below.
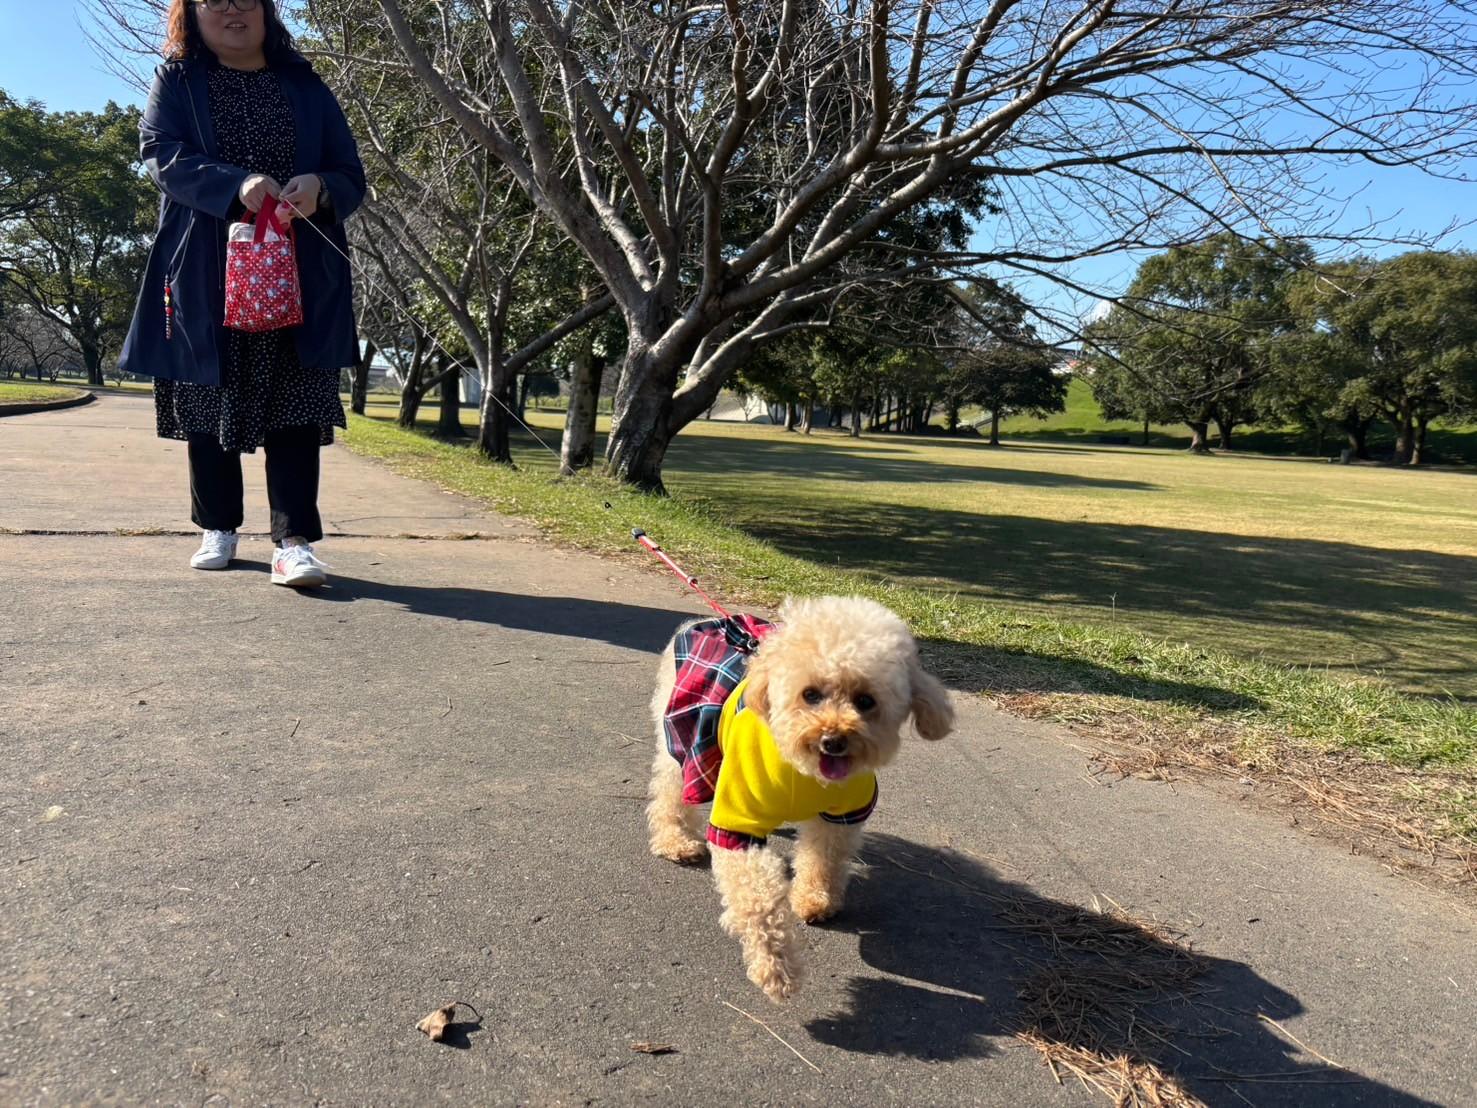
(498, 275)
(126, 35)
(32, 340)
(1102, 126)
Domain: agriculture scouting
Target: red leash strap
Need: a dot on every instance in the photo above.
(688, 579)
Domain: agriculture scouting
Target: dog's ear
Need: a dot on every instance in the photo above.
(756, 693)
(933, 712)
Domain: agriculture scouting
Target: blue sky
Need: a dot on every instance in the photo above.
(45, 55)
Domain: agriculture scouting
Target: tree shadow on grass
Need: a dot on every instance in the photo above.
(966, 666)
(798, 457)
(1409, 613)
(982, 959)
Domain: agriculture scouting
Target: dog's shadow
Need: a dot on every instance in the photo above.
(973, 960)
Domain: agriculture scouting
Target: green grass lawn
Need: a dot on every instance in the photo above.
(1303, 563)
(29, 392)
(1360, 570)
(942, 533)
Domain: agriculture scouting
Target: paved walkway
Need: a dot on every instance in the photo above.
(251, 836)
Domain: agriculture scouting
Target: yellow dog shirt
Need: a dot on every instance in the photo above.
(758, 790)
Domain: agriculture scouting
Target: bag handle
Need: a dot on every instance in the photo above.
(266, 216)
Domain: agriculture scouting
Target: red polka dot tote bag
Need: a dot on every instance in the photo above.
(262, 288)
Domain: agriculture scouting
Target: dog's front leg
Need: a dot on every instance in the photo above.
(756, 911)
(823, 857)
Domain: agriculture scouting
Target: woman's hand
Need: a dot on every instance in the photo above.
(257, 189)
(302, 194)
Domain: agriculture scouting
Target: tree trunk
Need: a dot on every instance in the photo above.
(493, 423)
(1198, 430)
(807, 420)
(577, 451)
(523, 394)
(856, 416)
(789, 415)
(640, 430)
(1418, 452)
(1223, 428)
(410, 388)
(1318, 434)
(449, 424)
(1356, 429)
(1146, 430)
(92, 359)
(359, 384)
(1404, 438)
(994, 426)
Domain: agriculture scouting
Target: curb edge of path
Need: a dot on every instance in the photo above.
(31, 407)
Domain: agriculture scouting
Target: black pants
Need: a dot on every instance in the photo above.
(216, 496)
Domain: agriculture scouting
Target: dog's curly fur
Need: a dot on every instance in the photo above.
(843, 671)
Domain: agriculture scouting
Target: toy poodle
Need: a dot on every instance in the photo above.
(774, 724)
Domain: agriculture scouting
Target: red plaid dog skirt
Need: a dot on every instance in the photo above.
(712, 658)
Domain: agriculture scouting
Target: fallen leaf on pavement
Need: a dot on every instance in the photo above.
(437, 1022)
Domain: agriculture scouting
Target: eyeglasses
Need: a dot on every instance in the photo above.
(222, 5)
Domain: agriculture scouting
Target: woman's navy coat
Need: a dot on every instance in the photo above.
(200, 197)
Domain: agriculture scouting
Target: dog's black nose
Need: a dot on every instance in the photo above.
(834, 745)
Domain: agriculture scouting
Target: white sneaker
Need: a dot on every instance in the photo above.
(298, 567)
(217, 548)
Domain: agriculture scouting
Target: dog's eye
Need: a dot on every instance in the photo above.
(812, 696)
(864, 702)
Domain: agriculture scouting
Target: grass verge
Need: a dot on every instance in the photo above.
(1400, 765)
(22, 392)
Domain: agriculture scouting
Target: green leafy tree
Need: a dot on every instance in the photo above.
(1193, 335)
(1311, 371)
(1406, 328)
(75, 251)
(998, 362)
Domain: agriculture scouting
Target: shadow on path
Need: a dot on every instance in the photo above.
(648, 629)
(984, 959)
(625, 625)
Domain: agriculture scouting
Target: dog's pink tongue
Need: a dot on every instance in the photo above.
(835, 767)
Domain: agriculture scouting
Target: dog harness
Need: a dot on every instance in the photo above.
(727, 753)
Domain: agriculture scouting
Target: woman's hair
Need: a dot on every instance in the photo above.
(182, 34)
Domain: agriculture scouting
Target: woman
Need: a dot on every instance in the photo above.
(236, 119)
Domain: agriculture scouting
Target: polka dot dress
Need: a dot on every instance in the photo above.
(263, 386)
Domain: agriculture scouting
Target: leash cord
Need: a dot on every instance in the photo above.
(636, 532)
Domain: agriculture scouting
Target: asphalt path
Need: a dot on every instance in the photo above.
(251, 836)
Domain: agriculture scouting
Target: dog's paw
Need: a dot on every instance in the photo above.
(682, 849)
(814, 904)
(779, 975)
